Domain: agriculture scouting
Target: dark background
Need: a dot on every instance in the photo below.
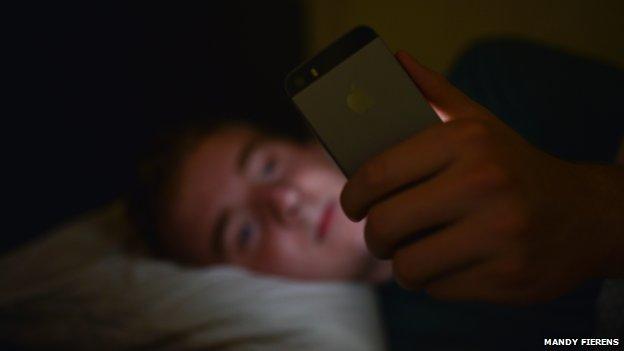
(88, 84)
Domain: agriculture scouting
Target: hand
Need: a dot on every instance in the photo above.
(467, 209)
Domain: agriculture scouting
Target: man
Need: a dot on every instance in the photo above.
(505, 222)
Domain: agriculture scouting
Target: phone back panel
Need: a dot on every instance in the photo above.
(363, 105)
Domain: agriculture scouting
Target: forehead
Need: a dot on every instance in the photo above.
(207, 181)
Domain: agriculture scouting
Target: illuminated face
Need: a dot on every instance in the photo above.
(266, 204)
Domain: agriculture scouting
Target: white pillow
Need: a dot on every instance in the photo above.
(78, 288)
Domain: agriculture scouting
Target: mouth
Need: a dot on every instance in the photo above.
(325, 220)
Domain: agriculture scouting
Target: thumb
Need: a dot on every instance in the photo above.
(447, 101)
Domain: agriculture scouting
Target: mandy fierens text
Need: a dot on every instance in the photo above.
(605, 342)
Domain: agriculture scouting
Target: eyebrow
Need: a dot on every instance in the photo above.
(245, 154)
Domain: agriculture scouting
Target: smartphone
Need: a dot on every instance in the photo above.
(357, 98)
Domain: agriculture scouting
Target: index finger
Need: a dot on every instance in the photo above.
(396, 168)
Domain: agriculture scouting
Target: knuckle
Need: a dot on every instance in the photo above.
(471, 131)
(475, 130)
(514, 221)
(490, 176)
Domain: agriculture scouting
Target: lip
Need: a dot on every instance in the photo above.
(325, 220)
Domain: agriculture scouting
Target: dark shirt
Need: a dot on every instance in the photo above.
(415, 321)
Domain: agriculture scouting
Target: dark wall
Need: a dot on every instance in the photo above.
(90, 83)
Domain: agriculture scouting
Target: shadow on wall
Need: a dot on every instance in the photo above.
(437, 31)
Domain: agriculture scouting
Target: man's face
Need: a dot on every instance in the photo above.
(266, 204)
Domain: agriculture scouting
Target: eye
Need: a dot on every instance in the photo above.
(245, 234)
(269, 169)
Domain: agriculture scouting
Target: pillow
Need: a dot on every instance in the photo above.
(79, 288)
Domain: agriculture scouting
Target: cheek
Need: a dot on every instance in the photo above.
(315, 159)
(279, 253)
(337, 258)
(350, 236)
(350, 228)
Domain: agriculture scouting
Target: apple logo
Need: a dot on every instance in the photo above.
(358, 100)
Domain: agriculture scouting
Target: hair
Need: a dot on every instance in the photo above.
(157, 170)
(155, 176)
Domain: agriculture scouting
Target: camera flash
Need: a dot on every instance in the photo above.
(314, 72)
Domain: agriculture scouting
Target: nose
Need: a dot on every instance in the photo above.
(282, 201)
